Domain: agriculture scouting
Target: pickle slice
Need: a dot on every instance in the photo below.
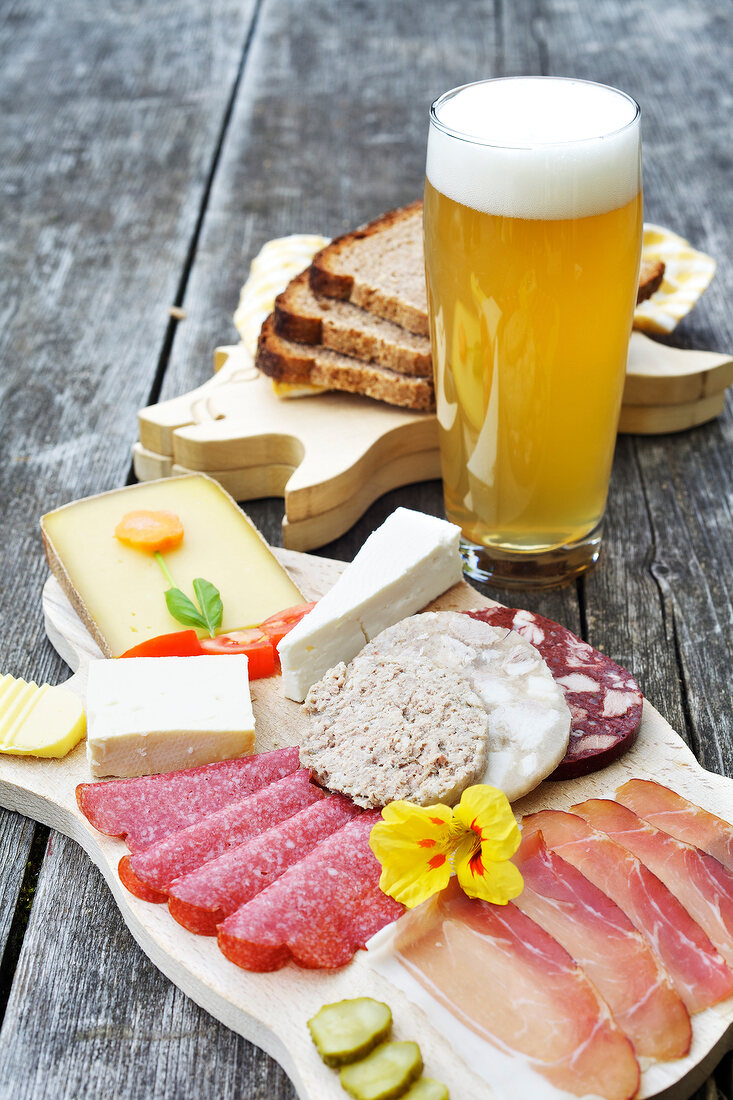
(427, 1089)
(385, 1073)
(348, 1030)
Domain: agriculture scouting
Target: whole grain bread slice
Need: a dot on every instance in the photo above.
(307, 318)
(288, 361)
(380, 268)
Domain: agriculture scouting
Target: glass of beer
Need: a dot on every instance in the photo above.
(533, 219)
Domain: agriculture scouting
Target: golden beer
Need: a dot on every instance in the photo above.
(531, 291)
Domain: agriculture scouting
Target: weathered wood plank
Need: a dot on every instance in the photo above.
(90, 1015)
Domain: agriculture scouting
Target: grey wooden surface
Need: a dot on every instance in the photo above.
(147, 150)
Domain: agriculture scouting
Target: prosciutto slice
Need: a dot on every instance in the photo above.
(701, 883)
(683, 820)
(698, 971)
(511, 983)
(602, 939)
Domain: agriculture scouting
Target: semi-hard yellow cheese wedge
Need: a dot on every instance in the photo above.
(38, 721)
(119, 591)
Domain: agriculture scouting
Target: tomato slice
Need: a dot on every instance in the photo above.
(280, 624)
(257, 647)
(182, 643)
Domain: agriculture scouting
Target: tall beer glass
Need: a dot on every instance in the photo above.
(533, 218)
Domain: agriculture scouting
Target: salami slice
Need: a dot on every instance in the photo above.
(155, 868)
(145, 809)
(201, 900)
(605, 700)
(319, 912)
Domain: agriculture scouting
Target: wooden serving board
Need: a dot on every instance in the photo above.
(272, 1009)
(331, 456)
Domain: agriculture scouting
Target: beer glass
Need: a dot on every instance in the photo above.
(533, 219)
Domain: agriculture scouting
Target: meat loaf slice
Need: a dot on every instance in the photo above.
(380, 268)
(307, 318)
(286, 361)
(385, 729)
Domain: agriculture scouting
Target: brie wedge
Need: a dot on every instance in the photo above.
(403, 565)
(158, 714)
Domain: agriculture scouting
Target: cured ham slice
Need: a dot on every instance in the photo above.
(155, 868)
(683, 820)
(701, 883)
(511, 983)
(698, 971)
(603, 941)
(319, 912)
(201, 900)
(145, 809)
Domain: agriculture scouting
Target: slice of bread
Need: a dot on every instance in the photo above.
(287, 361)
(380, 268)
(307, 318)
(651, 274)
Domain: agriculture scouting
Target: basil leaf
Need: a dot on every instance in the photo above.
(184, 610)
(209, 600)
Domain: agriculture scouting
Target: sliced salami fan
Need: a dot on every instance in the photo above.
(605, 700)
(201, 900)
(319, 912)
(182, 852)
(145, 809)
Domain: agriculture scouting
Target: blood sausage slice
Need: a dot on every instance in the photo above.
(511, 983)
(605, 700)
(201, 900)
(147, 808)
(319, 912)
(603, 941)
(178, 854)
(683, 820)
(698, 971)
(701, 883)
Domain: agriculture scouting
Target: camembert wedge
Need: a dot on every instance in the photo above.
(403, 565)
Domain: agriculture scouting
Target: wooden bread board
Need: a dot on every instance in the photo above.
(331, 456)
(272, 1009)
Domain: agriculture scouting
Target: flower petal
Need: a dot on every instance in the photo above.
(413, 845)
(487, 812)
(480, 876)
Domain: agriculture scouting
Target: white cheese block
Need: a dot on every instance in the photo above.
(403, 565)
(157, 714)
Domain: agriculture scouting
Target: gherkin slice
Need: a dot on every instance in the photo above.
(385, 1073)
(427, 1089)
(347, 1030)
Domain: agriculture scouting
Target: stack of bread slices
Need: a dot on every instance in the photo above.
(357, 319)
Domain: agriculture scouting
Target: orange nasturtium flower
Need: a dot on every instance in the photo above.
(419, 847)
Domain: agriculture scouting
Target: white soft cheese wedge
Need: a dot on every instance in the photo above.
(403, 565)
(158, 714)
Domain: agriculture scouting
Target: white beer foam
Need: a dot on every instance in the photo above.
(536, 147)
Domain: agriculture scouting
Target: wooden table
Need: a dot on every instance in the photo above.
(147, 150)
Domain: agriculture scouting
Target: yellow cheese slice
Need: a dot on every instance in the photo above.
(38, 721)
(119, 591)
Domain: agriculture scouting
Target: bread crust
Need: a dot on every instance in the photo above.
(286, 361)
(303, 317)
(651, 275)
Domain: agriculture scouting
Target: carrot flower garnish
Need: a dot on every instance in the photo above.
(420, 846)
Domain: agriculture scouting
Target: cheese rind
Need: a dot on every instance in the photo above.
(119, 591)
(154, 714)
(403, 565)
(38, 721)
